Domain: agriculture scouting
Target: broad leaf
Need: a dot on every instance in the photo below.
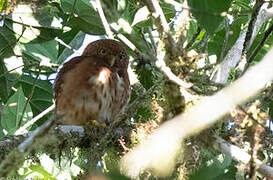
(4, 90)
(7, 40)
(15, 113)
(75, 44)
(45, 52)
(209, 13)
(82, 16)
(35, 27)
(42, 94)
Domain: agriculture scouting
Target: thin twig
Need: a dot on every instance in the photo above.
(162, 25)
(224, 49)
(152, 40)
(261, 44)
(104, 20)
(29, 97)
(6, 72)
(193, 39)
(23, 129)
(167, 71)
(64, 44)
(251, 25)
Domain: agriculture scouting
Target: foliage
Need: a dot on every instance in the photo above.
(34, 41)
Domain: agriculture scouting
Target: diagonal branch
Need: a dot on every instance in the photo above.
(104, 20)
(23, 129)
(160, 149)
(234, 55)
(240, 155)
(162, 25)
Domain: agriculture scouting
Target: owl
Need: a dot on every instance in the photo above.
(93, 86)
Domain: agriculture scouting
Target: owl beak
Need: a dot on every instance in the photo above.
(112, 60)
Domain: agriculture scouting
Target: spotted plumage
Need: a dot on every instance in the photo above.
(94, 86)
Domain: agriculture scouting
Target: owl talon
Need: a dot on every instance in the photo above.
(98, 124)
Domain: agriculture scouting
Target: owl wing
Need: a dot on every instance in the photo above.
(61, 74)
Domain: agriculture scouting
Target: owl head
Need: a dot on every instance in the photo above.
(110, 51)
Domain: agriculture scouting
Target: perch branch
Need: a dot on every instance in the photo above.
(26, 138)
(159, 151)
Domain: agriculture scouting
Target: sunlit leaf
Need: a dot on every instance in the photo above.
(33, 25)
(141, 15)
(45, 52)
(82, 16)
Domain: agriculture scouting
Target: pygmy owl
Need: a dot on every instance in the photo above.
(93, 86)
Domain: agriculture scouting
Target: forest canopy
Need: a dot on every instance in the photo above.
(201, 99)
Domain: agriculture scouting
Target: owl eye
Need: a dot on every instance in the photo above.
(102, 52)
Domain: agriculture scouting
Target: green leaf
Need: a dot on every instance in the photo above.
(35, 27)
(42, 96)
(208, 12)
(39, 169)
(214, 169)
(2, 5)
(215, 44)
(145, 75)
(4, 90)
(75, 43)
(82, 16)
(41, 52)
(13, 111)
(7, 40)
(142, 14)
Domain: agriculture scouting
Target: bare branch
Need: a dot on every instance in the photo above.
(161, 64)
(240, 155)
(162, 25)
(23, 129)
(159, 151)
(234, 55)
(104, 20)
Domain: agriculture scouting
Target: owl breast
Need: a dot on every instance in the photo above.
(97, 94)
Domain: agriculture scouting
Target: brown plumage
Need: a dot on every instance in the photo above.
(94, 86)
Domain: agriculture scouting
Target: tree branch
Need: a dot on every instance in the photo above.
(23, 129)
(162, 25)
(240, 155)
(159, 151)
(234, 55)
(104, 20)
